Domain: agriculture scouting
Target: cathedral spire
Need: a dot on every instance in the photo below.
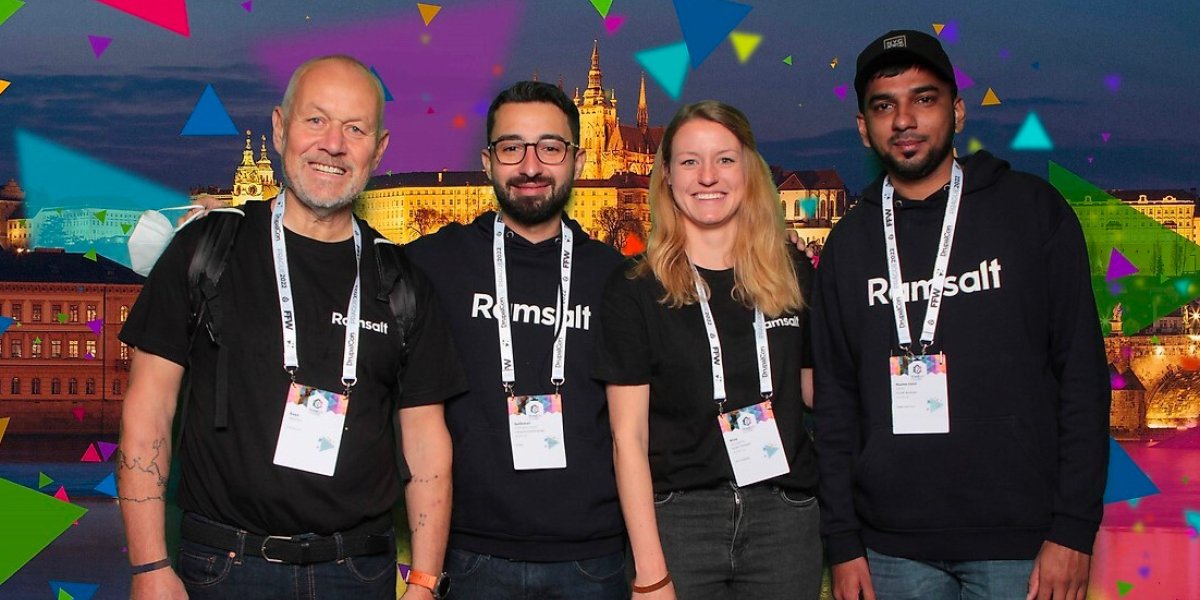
(643, 113)
(248, 153)
(594, 94)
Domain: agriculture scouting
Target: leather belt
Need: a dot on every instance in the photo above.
(295, 550)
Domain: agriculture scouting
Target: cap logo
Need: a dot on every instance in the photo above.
(896, 42)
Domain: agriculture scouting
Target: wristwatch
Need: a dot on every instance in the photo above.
(438, 584)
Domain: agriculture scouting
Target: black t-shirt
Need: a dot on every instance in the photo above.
(644, 341)
(228, 475)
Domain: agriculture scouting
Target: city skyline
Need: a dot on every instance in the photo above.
(128, 105)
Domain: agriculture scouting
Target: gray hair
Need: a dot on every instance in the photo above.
(290, 92)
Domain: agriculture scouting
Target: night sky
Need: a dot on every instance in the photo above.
(1101, 67)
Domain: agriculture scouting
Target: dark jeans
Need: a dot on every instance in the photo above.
(482, 577)
(729, 542)
(212, 574)
(897, 578)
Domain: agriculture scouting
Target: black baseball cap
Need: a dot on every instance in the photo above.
(918, 45)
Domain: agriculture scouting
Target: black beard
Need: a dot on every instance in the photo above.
(919, 170)
(532, 212)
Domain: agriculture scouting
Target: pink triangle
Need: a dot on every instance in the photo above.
(61, 494)
(96, 325)
(106, 449)
(613, 22)
(99, 44)
(1119, 266)
(430, 111)
(168, 14)
(91, 455)
(247, 5)
(963, 80)
(1105, 135)
(841, 91)
(78, 414)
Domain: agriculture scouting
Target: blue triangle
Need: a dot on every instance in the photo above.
(78, 591)
(209, 116)
(325, 445)
(108, 486)
(1032, 136)
(387, 94)
(5, 323)
(93, 185)
(706, 23)
(668, 65)
(1125, 479)
(770, 450)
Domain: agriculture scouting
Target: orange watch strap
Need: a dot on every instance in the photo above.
(424, 580)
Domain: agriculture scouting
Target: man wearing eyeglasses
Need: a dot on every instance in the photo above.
(535, 502)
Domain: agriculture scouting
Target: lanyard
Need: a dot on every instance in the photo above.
(938, 282)
(763, 353)
(558, 365)
(287, 311)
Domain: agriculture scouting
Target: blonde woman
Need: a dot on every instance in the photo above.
(705, 348)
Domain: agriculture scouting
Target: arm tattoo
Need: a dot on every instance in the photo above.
(420, 522)
(150, 467)
(424, 479)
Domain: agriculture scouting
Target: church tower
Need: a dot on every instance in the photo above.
(643, 112)
(253, 180)
(598, 125)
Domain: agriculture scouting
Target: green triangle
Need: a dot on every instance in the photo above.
(125, 227)
(63, 595)
(30, 521)
(1123, 587)
(788, 60)
(1167, 262)
(1032, 135)
(101, 215)
(602, 7)
(44, 480)
(90, 254)
(8, 7)
(37, 340)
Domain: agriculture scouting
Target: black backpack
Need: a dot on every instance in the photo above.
(212, 252)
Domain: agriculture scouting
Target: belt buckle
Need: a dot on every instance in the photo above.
(263, 548)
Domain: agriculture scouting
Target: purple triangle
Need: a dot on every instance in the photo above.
(1105, 136)
(99, 44)
(1112, 82)
(841, 91)
(963, 80)
(949, 33)
(106, 449)
(247, 5)
(96, 325)
(1119, 266)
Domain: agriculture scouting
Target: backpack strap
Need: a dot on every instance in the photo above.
(396, 288)
(209, 259)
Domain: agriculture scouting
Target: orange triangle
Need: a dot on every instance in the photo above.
(3, 85)
(937, 28)
(428, 12)
(990, 98)
(91, 455)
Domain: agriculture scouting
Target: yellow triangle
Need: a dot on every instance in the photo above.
(428, 12)
(990, 99)
(744, 44)
(974, 146)
(3, 427)
(937, 28)
(3, 85)
(833, 63)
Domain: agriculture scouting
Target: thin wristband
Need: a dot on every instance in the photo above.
(154, 566)
(654, 587)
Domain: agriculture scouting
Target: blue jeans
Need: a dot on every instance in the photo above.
(904, 579)
(728, 542)
(212, 574)
(476, 576)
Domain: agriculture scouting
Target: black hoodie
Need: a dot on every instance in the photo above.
(540, 515)
(1026, 457)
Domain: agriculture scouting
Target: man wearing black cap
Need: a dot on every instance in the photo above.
(962, 394)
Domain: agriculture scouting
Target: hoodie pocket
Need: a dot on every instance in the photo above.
(981, 475)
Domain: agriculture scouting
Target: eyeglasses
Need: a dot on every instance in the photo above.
(549, 151)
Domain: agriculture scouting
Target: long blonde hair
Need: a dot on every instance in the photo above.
(763, 272)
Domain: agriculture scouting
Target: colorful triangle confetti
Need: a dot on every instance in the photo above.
(744, 44)
(3, 426)
(1119, 266)
(428, 12)
(61, 494)
(833, 63)
(841, 91)
(90, 455)
(168, 14)
(1032, 135)
(78, 412)
(962, 80)
(90, 254)
(30, 521)
(613, 23)
(5, 323)
(99, 44)
(101, 215)
(1123, 587)
(937, 28)
(8, 7)
(1125, 479)
(108, 485)
(76, 591)
(96, 325)
(248, 5)
(209, 116)
(4, 85)
(106, 449)
(974, 145)
(787, 60)
(44, 480)
(387, 94)
(706, 23)
(990, 98)
(667, 65)
(602, 6)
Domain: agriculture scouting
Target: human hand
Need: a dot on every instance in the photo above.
(852, 580)
(1059, 573)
